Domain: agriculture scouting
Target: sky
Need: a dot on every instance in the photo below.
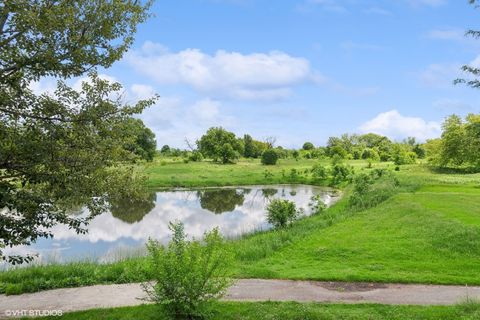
(301, 70)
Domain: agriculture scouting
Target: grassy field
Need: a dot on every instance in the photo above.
(168, 173)
(289, 310)
(428, 232)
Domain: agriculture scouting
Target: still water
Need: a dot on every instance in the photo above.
(124, 230)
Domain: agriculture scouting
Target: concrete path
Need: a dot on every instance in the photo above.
(106, 296)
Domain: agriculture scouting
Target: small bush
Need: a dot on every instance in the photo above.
(294, 174)
(319, 172)
(269, 157)
(341, 173)
(280, 213)
(195, 156)
(267, 174)
(317, 205)
(187, 274)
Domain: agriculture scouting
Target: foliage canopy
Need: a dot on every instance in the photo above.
(61, 148)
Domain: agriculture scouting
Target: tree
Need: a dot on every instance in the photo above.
(473, 70)
(370, 154)
(60, 148)
(220, 144)
(249, 149)
(308, 146)
(295, 154)
(141, 140)
(460, 142)
(165, 149)
(269, 157)
(227, 154)
(270, 142)
(401, 154)
(433, 149)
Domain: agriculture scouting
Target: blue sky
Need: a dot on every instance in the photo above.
(302, 69)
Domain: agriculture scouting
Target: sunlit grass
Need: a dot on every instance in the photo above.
(429, 232)
(291, 310)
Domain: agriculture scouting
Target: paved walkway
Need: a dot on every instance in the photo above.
(106, 296)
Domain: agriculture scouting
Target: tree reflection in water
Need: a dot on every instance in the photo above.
(131, 210)
(221, 200)
(269, 192)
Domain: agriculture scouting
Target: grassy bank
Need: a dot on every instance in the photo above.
(290, 310)
(428, 232)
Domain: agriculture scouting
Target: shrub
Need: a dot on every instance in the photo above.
(187, 275)
(319, 172)
(370, 154)
(281, 213)
(268, 174)
(195, 156)
(269, 157)
(295, 154)
(371, 189)
(294, 174)
(341, 173)
(316, 204)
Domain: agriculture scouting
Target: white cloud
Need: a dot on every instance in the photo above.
(141, 91)
(206, 109)
(172, 119)
(447, 34)
(242, 76)
(44, 85)
(396, 126)
(77, 84)
(475, 63)
(48, 85)
(451, 105)
(440, 75)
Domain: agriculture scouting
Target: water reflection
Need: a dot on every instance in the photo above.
(221, 200)
(133, 210)
(269, 192)
(129, 224)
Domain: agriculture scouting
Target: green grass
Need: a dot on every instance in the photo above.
(290, 310)
(245, 172)
(428, 232)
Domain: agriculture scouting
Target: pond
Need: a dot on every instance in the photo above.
(124, 230)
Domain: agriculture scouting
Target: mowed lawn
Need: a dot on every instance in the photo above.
(291, 310)
(431, 235)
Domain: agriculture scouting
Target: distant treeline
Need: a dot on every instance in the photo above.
(458, 147)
